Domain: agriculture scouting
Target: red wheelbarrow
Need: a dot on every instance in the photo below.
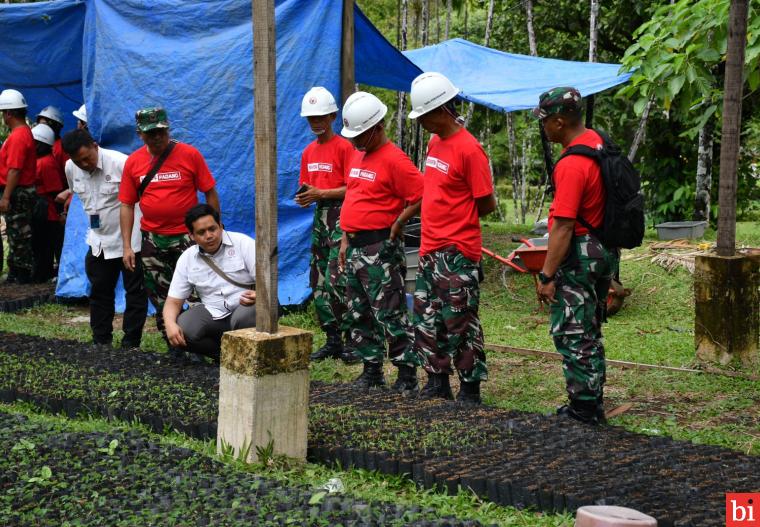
(529, 257)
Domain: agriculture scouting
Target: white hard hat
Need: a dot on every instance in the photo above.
(361, 112)
(81, 113)
(44, 134)
(52, 113)
(11, 100)
(429, 91)
(318, 101)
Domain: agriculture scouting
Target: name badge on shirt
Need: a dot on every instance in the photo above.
(94, 221)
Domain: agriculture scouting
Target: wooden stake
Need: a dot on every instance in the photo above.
(732, 119)
(265, 146)
(347, 72)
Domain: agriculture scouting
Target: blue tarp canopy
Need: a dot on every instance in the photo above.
(507, 82)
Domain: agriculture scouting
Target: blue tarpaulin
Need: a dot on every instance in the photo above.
(507, 82)
(194, 58)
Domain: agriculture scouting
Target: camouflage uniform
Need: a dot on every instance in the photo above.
(582, 281)
(159, 257)
(377, 310)
(446, 323)
(18, 226)
(327, 282)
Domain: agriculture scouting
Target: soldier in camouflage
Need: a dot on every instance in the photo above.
(578, 268)
(458, 191)
(164, 201)
(383, 191)
(18, 162)
(323, 183)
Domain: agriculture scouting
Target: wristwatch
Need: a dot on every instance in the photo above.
(545, 279)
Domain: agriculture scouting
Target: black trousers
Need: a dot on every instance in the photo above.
(47, 241)
(104, 275)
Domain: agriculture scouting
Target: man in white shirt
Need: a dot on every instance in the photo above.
(94, 174)
(221, 268)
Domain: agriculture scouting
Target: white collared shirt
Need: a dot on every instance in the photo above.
(236, 257)
(99, 193)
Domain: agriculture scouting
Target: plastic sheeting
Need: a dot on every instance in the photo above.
(40, 54)
(507, 82)
(195, 59)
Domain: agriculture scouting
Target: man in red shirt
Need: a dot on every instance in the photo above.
(383, 191)
(18, 169)
(46, 228)
(164, 200)
(52, 116)
(323, 181)
(458, 191)
(578, 268)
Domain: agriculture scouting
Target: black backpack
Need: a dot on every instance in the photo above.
(623, 224)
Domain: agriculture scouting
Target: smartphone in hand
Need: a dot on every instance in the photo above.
(303, 188)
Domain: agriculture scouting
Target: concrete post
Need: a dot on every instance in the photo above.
(727, 309)
(264, 391)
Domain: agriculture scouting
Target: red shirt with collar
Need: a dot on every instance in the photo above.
(171, 192)
(456, 174)
(380, 185)
(579, 189)
(323, 165)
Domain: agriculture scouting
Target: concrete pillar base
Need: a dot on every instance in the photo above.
(264, 391)
(727, 310)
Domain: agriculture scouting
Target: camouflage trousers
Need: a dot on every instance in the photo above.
(582, 282)
(18, 227)
(159, 256)
(446, 324)
(377, 303)
(327, 282)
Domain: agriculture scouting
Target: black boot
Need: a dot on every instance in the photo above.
(349, 355)
(406, 382)
(437, 386)
(600, 417)
(371, 377)
(23, 276)
(469, 393)
(583, 411)
(332, 349)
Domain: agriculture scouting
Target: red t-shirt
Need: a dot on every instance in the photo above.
(324, 165)
(171, 192)
(18, 151)
(456, 174)
(380, 184)
(579, 190)
(61, 157)
(49, 182)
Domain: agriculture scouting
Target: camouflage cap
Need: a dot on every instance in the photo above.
(151, 118)
(562, 99)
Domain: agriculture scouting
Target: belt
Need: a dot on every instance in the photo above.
(329, 203)
(363, 238)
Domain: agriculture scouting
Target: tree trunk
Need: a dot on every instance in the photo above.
(425, 21)
(593, 30)
(640, 131)
(704, 173)
(466, 33)
(514, 164)
(448, 18)
(486, 40)
(404, 16)
(531, 33)
(732, 118)
(437, 21)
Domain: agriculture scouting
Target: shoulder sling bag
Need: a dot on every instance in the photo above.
(221, 273)
(155, 168)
